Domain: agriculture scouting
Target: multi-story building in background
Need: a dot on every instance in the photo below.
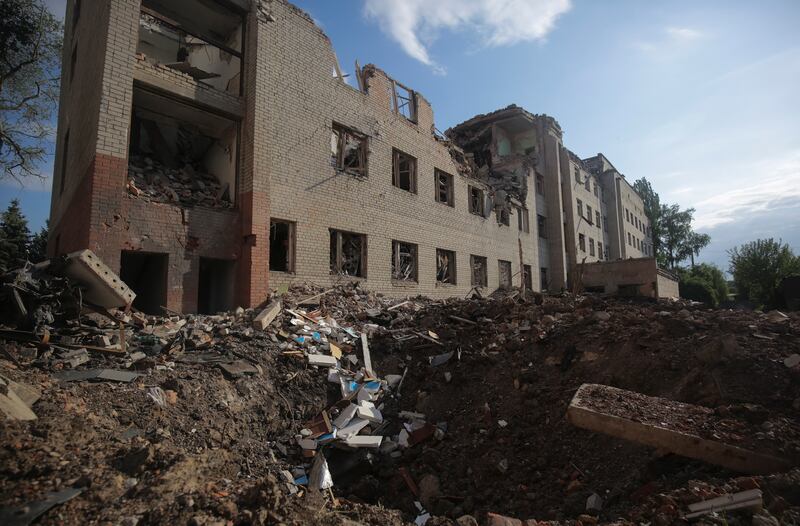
(209, 150)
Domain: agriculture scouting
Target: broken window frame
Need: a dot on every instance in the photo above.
(540, 184)
(591, 246)
(478, 271)
(523, 222)
(580, 208)
(587, 184)
(448, 185)
(541, 226)
(501, 266)
(589, 218)
(599, 250)
(597, 218)
(476, 196)
(176, 26)
(582, 242)
(175, 100)
(397, 156)
(543, 282)
(338, 158)
(577, 175)
(338, 240)
(503, 216)
(290, 250)
(594, 187)
(411, 274)
(527, 277)
(445, 267)
(402, 104)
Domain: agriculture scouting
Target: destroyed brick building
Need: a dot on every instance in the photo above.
(211, 150)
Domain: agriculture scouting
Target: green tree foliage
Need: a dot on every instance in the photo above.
(693, 244)
(652, 209)
(676, 230)
(704, 283)
(697, 289)
(30, 58)
(37, 248)
(671, 228)
(14, 237)
(757, 268)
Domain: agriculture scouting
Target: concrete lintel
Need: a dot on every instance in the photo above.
(687, 445)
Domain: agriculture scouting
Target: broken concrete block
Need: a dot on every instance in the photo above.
(238, 369)
(594, 503)
(393, 379)
(368, 411)
(266, 316)
(353, 428)
(583, 413)
(363, 441)
(12, 405)
(345, 416)
(103, 287)
(27, 393)
(321, 360)
(307, 443)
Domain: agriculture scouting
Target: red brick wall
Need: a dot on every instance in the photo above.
(253, 272)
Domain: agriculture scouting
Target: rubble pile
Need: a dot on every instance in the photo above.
(339, 406)
(150, 180)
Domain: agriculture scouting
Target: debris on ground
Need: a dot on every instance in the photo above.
(341, 406)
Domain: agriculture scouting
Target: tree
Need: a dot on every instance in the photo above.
(14, 237)
(676, 228)
(758, 267)
(697, 289)
(37, 248)
(30, 56)
(652, 209)
(703, 282)
(694, 244)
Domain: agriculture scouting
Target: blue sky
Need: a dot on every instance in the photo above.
(702, 98)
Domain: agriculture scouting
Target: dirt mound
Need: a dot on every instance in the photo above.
(473, 416)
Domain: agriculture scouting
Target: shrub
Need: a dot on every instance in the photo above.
(698, 289)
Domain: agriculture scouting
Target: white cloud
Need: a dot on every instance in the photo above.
(776, 185)
(670, 39)
(415, 23)
(684, 34)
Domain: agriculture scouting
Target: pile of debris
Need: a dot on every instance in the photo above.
(340, 406)
(150, 180)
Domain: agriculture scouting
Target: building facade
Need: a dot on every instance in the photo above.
(209, 150)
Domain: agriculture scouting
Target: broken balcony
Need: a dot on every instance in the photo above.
(181, 154)
(199, 38)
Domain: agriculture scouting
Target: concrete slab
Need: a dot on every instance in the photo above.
(582, 414)
(266, 316)
(103, 287)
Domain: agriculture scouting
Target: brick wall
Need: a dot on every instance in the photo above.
(78, 113)
(302, 100)
(641, 272)
(578, 224)
(289, 103)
